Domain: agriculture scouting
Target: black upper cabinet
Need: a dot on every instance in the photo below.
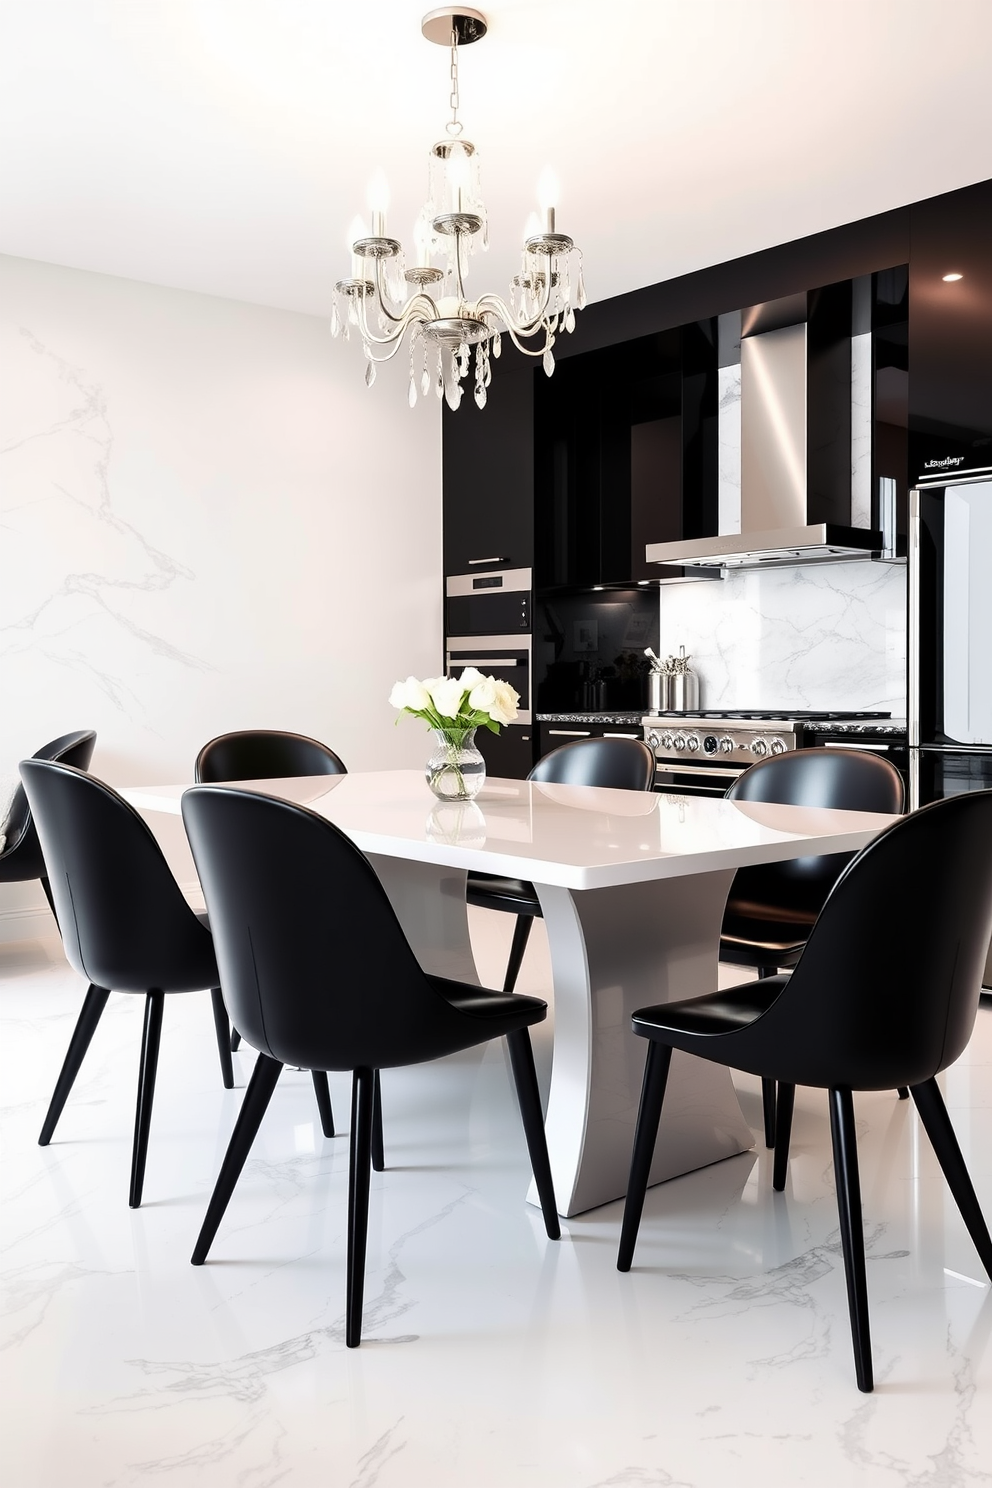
(625, 454)
(488, 475)
(950, 333)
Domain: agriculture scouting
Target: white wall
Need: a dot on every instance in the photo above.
(830, 636)
(207, 522)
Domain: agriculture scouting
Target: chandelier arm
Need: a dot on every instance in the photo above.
(404, 315)
(412, 311)
(497, 306)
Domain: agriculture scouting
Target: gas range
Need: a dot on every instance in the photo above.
(738, 738)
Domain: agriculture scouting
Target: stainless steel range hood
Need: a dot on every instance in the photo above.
(776, 530)
(782, 547)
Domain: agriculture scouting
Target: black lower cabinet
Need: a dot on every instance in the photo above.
(509, 753)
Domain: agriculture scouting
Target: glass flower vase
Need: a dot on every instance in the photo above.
(455, 770)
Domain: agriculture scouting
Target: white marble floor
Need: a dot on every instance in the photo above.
(492, 1357)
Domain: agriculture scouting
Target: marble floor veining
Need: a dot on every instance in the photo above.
(492, 1357)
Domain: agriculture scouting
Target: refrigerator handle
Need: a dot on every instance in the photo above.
(913, 623)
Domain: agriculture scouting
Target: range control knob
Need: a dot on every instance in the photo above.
(666, 741)
(726, 745)
(779, 746)
(759, 747)
(678, 742)
(692, 742)
(711, 744)
(652, 740)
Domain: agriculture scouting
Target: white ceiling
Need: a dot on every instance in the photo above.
(225, 145)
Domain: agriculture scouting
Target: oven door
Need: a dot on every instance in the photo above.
(488, 604)
(505, 657)
(686, 778)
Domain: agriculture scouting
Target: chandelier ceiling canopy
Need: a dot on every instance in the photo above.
(390, 299)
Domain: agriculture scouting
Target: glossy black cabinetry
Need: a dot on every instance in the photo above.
(509, 754)
(625, 453)
(950, 334)
(488, 474)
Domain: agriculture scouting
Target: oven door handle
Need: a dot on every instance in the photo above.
(726, 772)
(501, 661)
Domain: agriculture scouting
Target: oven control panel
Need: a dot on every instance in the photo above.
(722, 743)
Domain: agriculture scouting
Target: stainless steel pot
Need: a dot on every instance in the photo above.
(684, 692)
(659, 692)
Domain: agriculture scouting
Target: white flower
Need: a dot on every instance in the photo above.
(504, 707)
(410, 694)
(483, 693)
(471, 677)
(446, 695)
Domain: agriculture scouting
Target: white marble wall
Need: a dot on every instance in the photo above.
(832, 636)
(729, 448)
(208, 522)
(861, 430)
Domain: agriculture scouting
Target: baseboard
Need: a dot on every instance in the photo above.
(26, 924)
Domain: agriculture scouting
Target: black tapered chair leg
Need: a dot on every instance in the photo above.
(362, 1098)
(768, 1106)
(656, 1069)
(937, 1123)
(786, 1101)
(235, 1041)
(529, 1097)
(521, 934)
(151, 1037)
(844, 1139)
(768, 1109)
(378, 1150)
(904, 1092)
(89, 1016)
(264, 1078)
(223, 1031)
(322, 1091)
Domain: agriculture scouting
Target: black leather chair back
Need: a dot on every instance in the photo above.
(886, 990)
(843, 779)
(623, 764)
(315, 967)
(71, 749)
(264, 754)
(125, 924)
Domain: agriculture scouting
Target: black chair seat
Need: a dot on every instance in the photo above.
(318, 973)
(488, 891)
(125, 927)
(885, 994)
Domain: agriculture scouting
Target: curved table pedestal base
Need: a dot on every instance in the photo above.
(612, 951)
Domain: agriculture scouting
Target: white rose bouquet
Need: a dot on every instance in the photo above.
(454, 707)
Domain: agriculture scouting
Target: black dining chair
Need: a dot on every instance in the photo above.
(318, 973)
(620, 764)
(270, 754)
(264, 754)
(21, 858)
(772, 907)
(884, 994)
(125, 927)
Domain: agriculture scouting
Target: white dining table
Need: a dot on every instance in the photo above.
(632, 887)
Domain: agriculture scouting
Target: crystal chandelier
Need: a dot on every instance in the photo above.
(386, 300)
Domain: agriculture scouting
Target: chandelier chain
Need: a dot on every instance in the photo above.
(454, 124)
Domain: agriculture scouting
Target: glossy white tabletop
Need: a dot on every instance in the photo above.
(576, 837)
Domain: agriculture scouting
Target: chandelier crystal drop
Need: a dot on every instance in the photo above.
(454, 339)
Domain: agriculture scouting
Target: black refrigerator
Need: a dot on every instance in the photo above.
(950, 639)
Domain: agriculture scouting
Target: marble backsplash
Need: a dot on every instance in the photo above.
(830, 636)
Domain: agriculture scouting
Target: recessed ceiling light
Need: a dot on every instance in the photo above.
(952, 278)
